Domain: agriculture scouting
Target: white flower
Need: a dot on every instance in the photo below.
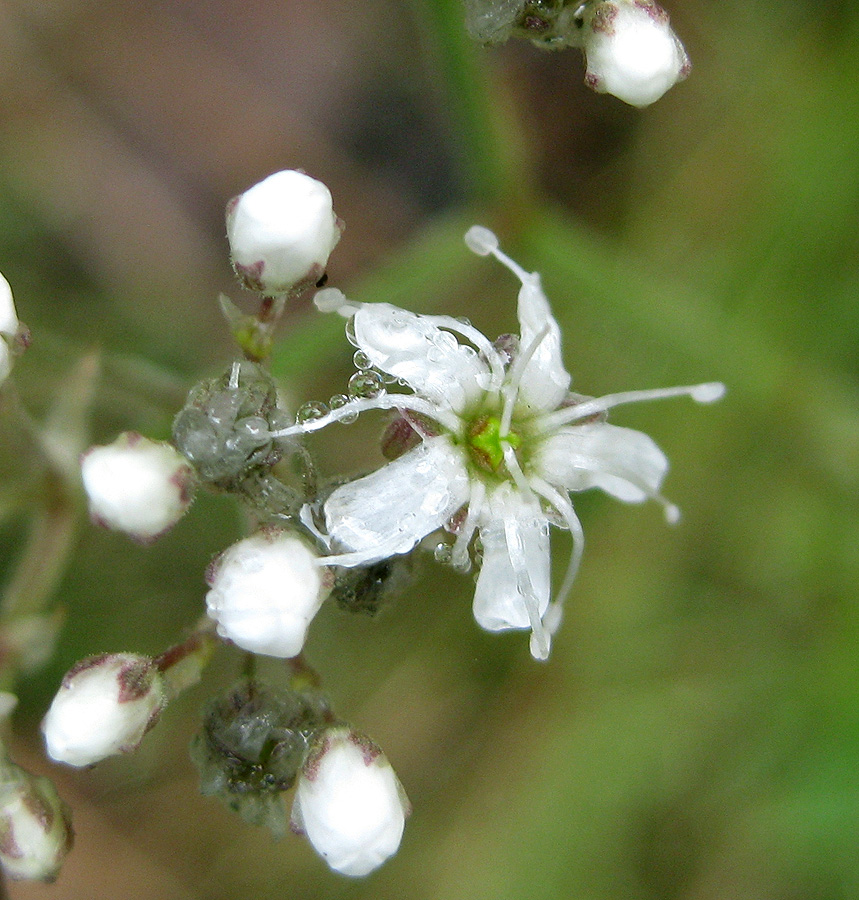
(35, 828)
(281, 233)
(502, 444)
(136, 485)
(8, 315)
(349, 802)
(105, 706)
(265, 590)
(631, 51)
(9, 329)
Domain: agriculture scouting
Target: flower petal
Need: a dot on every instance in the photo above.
(388, 511)
(544, 382)
(429, 359)
(516, 568)
(621, 461)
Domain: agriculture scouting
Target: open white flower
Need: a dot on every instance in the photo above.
(631, 51)
(502, 444)
(349, 802)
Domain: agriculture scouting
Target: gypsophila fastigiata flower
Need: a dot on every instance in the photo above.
(265, 590)
(349, 802)
(14, 337)
(499, 443)
(35, 825)
(136, 485)
(105, 706)
(281, 233)
(631, 51)
(630, 48)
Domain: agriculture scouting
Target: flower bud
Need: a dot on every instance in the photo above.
(631, 51)
(105, 706)
(8, 315)
(137, 485)
(35, 827)
(265, 589)
(281, 233)
(349, 802)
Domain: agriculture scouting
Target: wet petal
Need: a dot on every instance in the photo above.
(515, 572)
(429, 359)
(621, 461)
(544, 381)
(390, 510)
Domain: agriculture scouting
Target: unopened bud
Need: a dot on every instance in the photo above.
(265, 590)
(137, 485)
(35, 826)
(631, 51)
(105, 706)
(349, 802)
(281, 233)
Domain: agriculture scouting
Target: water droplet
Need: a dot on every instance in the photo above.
(443, 552)
(464, 320)
(350, 332)
(338, 401)
(366, 385)
(445, 341)
(361, 360)
(313, 409)
(254, 427)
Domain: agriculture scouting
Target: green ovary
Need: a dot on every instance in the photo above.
(485, 445)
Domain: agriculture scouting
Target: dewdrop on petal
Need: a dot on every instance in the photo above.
(281, 233)
(631, 51)
(137, 485)
(105, 706)
(265, 590)
(349, 802)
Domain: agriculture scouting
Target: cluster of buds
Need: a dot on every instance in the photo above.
(258, 742)
(485, 449)
(629, 46)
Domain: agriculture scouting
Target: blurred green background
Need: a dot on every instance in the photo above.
(695, 735)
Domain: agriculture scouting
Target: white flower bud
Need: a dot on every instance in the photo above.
(281, 233)
(105, 706)
(265, 590)
(349, 802)
(137, 485)
(35, 827)
(8, 315)
(632, 52)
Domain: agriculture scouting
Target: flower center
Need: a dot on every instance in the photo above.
(485, 444)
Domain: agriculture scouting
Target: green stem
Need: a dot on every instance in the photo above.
(489, 141)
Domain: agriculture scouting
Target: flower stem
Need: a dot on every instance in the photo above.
(488, 140)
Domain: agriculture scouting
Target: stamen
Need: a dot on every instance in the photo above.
(492, 356)
(351, 409)
(708, 392)
(481, 240)
(562, 504)
(459, 554)
(516, 470)
(511, 389)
